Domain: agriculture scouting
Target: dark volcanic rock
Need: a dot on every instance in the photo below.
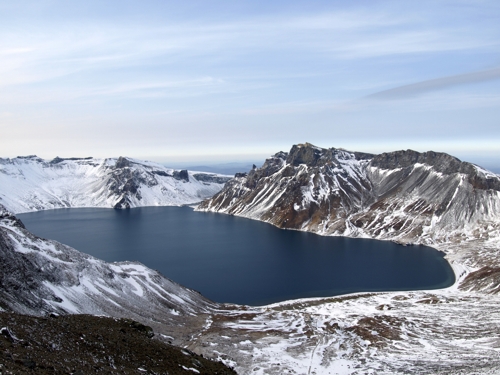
(443, 163)
(211, 178)
(486, 279)
(122, 162)
(161, 173)
(5, 214)
(303, 154)
(125, 183)
(440, 162)
(17, 281)
(85, 344)
(181, 175)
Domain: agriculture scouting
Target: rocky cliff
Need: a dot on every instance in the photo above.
(405, 196)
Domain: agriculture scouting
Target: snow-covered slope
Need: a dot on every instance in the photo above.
(39, 276)
(405, 195)
(31, 183)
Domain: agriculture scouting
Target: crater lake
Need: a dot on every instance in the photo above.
(238, 260)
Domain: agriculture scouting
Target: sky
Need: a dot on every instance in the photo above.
(225, 81)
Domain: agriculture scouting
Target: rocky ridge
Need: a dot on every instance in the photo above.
(31, 183)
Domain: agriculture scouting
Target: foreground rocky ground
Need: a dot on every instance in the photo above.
(434, 332)
(85, 344)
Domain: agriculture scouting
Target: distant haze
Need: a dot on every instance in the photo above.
(224, 168)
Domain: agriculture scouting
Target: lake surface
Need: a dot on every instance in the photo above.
(232, 259)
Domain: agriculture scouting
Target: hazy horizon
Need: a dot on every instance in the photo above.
(235, 161)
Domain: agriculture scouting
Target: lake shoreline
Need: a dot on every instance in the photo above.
(278, 263)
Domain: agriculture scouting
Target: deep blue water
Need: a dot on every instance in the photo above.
(231, 259)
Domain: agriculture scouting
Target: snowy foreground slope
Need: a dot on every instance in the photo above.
(39, 276)
(31, 183)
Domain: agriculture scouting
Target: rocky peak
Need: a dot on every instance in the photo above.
(314, 156)
(281, 155)
(304, 154)
(122, 162)
(331, 191)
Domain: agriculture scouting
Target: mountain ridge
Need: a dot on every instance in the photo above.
(30, 183)
(405, 196)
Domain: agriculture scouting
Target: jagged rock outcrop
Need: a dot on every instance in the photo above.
(31, 183)
(181, 175)
(404, 195)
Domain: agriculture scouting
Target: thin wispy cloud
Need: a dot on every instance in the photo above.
(346, 35)
(243, 72)
(431, 85)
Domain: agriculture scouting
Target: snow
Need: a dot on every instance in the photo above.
(35, 184)
(190, 369)
(66, 304)
(486, 173)
(456, 340)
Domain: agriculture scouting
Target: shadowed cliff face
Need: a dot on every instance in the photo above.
(440, 163)
(404, 195)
